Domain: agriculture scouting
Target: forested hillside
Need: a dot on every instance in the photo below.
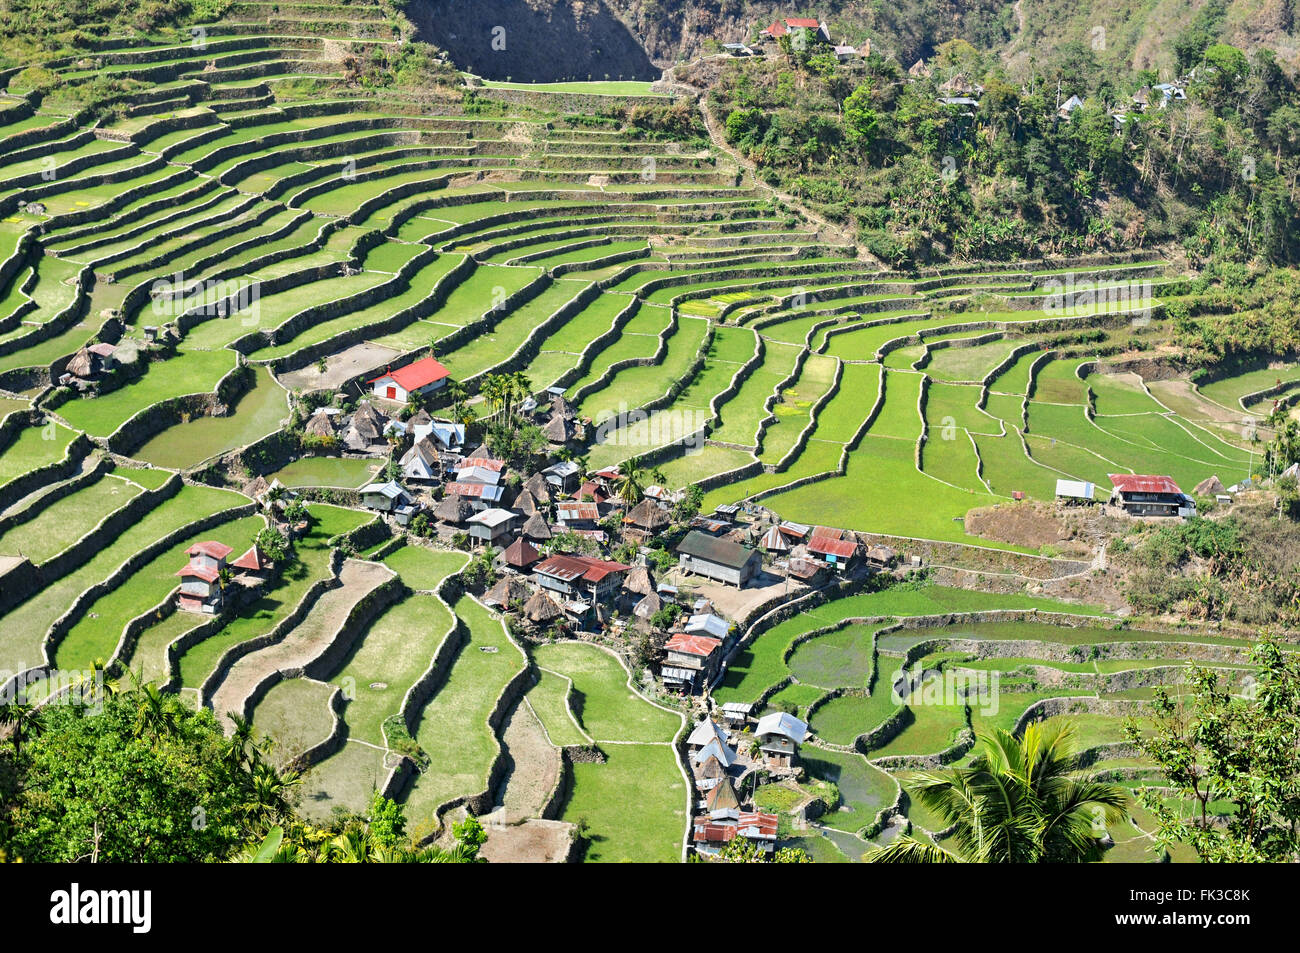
(1006, 172)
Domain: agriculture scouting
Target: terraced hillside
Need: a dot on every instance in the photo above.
(898, 681)
(318, 238)
(248, 226)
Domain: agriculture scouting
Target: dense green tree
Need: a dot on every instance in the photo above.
(144, 780)
(1242, 747)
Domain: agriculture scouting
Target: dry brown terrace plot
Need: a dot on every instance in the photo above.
(305, 642)
(532, 842)
(339, 368)
(533, 766)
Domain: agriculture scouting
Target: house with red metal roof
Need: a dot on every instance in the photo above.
(839, 554)
(710, 836)
(581, 578)
(1148, 495)
(201, 578)
(691, 661)
(808, 27)
(422, 377)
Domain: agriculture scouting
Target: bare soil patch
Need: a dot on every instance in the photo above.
(339, 368)
(532, 842)
(533, 765)
(1031, 524)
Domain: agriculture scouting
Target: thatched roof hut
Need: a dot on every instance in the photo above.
(541, 609)
(536, 529)
(320, 424)
(640, 581)
(539, 488)
(256, 488)
(648, 606)
(1209, 487)
(526, 503)
(558, 430)
(453, 509)
(509, 590)
(83, 364)
(647, 515)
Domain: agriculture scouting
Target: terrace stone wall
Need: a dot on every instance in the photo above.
(282, 628)
(57, 324)
(46, 475)
(548, 101)
(366, 610)
(677, 448)
(108, 529)
(332, 743)
(155, 418)
(427, 306)
(136, 561)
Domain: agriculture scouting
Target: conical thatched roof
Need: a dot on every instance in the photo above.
(509, 590)
(526, 503)
(640, 581)
(539, 488)
(647, 515)
(1209, 487)
(320, 425)
(560, 406)
(536, 529)
(541, 608)
(453, 509)
(256, 488)
(82, 364)
(366, 411)
(648, 606)
(558, 429)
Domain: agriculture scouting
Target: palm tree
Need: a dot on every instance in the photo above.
(1022, 800)
(151, 713)
(241, 751)
(520, 386)
(268, 795)
(631, 481)
(23, 720)
(490, 388)
(456, 391)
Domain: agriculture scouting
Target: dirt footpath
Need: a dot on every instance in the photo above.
(533, 765)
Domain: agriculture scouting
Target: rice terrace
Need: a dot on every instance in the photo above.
(472, 462)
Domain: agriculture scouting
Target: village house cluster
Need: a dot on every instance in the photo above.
(729, 758)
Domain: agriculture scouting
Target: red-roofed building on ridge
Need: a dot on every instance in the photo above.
(1148, 495)
(796, 26)
(201, 578)
(422, 377)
